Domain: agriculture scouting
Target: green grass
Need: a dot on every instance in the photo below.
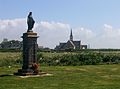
(65, 77)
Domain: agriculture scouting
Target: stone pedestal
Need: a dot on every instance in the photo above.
(29, 54)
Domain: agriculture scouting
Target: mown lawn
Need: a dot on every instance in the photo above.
(65, 77)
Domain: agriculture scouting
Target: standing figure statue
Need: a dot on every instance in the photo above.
(30, 22)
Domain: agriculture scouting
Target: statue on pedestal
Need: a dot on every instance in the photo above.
(30, 62)
(30, 22)
(30, 46)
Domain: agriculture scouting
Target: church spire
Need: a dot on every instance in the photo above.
(71, 36)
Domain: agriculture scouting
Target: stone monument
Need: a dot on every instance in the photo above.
(30, 63)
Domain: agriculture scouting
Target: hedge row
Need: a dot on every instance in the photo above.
(68, 59)
(89, 58)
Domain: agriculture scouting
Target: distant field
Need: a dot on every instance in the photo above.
(9, 55)
(10, 58)
(65, 77)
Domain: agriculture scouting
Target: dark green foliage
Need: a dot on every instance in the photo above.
(10, 50)
(63, 59)
(8, 62)
(84, 58)
(14, 44)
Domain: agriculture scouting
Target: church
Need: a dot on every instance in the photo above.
(71, 44)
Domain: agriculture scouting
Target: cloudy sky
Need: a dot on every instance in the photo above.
(94, 22)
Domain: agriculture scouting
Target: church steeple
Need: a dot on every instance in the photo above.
(71, 36)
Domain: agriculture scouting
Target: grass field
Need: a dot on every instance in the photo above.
(65, 77)
(9, 55)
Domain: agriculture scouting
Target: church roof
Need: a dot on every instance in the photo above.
(69, 44)
(77, 44)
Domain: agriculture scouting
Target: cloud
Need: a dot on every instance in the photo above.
(110, 32)
(51, 33)
(106, 26)
(84, 34)
(107, 38)
(12, 29)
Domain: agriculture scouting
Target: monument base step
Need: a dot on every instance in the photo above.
(22, 72)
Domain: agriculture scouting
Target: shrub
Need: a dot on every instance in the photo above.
(10, 59)
(84, 58)
(64, 59)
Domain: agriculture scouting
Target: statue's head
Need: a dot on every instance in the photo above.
(30, 13)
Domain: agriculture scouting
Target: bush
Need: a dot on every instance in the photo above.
(63, 59)
(10, 59)
(84, 58)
